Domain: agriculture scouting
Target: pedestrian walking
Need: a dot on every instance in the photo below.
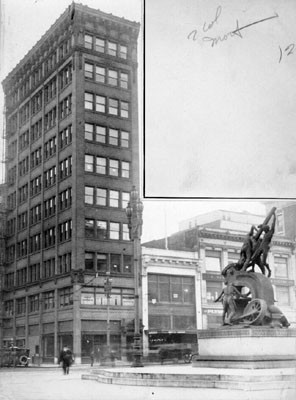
(66, 358)
(92, 357)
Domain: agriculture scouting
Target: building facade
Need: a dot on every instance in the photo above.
(209, 243)
(171, 297)
(72, 157)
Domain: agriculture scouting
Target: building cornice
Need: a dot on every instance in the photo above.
(63, 27)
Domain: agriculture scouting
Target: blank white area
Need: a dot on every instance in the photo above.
(220, 121)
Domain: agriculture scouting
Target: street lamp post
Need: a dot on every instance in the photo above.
(107, 290)
(134, 212)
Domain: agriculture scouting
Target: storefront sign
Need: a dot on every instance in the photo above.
(87, 298)
(128, 302)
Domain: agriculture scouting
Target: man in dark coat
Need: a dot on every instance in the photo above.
(66, 358)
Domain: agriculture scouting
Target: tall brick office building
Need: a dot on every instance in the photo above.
(71, 160)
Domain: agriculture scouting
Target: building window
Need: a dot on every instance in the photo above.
(89, 261)
(66, 76)
(114, 230)
(214, 288)
(280, 267)
(22, 221)
(101, 262)
(123, 51)
(35, 214)
(101, 197)
(65, 199)
(125, 169)
(283, 295)
(125, 198)
(113, 106)
(49, 237)
(88, 163)
(100, 74)
(22, 248)
(127, 264)
(112, 49)
(65, 167)
(113, 77)
(170, 288)
(280, 223)
(8, 308)
(89, 131)
(89, 195)
(88, 101)
(114, 198)
(23, 193)
(123, 80)
(35, 243)
(88, 41)
(102, 232)
(65, 231)
(124, 139)
(100, 103)
(89, 227)
(124, 109)
(48, 300)
(21, 277)
(50, 119)
(21, 306)
(101, 165)
(213, 261)
(66, 107)
(125, 232)
(36, 131)
(89, 70)
(23, 167)
(65, 262)
(100, 45)
(50, 177)
(50, 147)
(11, 226)
(65, 297)
(113, 167)
(49, 207)
(24, 140)
(34, 273)
(36, 157)
(35, 186)
(34, 303)
(113, 137)
(48, 268)
(100, 134)
(50, 90)
(36, 102)
(115, 263)
(65, 136)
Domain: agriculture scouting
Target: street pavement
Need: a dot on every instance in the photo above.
(50, 384)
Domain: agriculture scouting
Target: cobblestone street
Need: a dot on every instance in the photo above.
(50, 383)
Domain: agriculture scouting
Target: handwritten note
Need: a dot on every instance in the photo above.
(234, 33)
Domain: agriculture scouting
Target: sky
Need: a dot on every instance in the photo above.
(220, 108)
(25, 21)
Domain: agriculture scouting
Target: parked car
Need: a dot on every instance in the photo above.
(175, 351)
(14, 356)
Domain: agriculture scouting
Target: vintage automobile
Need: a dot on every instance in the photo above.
(175, 351)
(14, 356)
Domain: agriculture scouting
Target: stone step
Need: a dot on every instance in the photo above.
(254, 380)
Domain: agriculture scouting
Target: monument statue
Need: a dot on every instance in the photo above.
(248, 297)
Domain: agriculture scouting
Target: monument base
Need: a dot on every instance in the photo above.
(247, 343)
(272, 351)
